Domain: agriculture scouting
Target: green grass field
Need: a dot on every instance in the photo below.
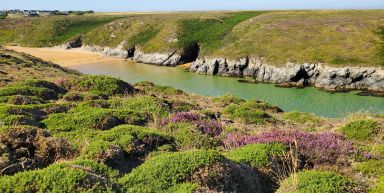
(332, 37)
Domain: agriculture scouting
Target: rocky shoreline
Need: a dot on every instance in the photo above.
(369, 79)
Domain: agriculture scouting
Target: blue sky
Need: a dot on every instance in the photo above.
(181, 5)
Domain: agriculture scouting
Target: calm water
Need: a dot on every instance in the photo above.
(289, 99)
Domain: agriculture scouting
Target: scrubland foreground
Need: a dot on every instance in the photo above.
(62, 131)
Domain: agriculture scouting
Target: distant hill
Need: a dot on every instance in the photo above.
(330, 37)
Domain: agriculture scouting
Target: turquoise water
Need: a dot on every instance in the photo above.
(289, 99)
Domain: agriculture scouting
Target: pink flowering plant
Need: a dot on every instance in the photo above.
(316, 148)
(208, 127)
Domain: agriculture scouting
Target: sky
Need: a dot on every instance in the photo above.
(189, 5)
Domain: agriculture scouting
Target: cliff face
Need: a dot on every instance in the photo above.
(300, 75)
(318, 75)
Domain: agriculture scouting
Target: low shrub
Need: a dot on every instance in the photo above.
(187, 136)
(317, 181)
(99, 85)
(78, 176)
(256, 155)
(164, 171)
(38, 88)
(316, 148)
(226, 100)
(151, 88)
(85, 117)
(251, 112)
(303, 118)
(373, 168)
(360, 130)
(133, 140)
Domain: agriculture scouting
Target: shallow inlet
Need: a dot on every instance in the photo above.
(332, 105)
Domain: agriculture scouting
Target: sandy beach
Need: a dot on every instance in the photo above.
(67, 58)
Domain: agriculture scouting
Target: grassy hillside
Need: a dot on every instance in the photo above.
(48, 31)
(331, 37)
(61, 131)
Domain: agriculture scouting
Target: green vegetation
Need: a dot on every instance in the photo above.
(209, 32)
(256, 155)
(381, 50)
(187, 136)
(66, 177)
(371, 167)
(361, 129)
(167, 170)
(42, 89)
(316, 181)
(126, 137)
(379, 187)
(251, 112)
(303, 118)
(61, 131)
(227, 100)
(49, 31)
(100, 85)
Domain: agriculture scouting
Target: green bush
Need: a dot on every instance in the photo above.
(183, 188)
(360, 130)
(78, 176)
(164, 171)
(256, 155)
(131, 139)
(151, 88)
(302, 118)
(38, 88)
(317, 181)
(371, 167)
(188, 137)
(251, 112)
(100, 85)
(84, 117)
(226, 100)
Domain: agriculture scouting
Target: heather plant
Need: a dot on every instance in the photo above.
(318, 181)
(318, 148)
(360, 130)
(208, 127)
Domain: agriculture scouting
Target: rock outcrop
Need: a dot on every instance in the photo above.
(164, 59)
(318, 75)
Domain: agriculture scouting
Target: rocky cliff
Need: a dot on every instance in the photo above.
(299, 75)
(318, 75)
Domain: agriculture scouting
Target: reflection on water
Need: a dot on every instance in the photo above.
(289, 99)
